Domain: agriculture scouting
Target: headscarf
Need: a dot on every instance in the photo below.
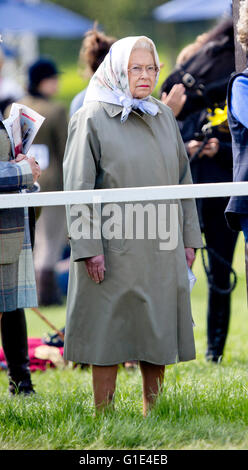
(110, 82)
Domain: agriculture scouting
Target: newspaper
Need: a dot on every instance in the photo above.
(22, 126)
(191, 278)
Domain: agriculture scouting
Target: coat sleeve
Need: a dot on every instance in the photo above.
(15, 176)
(191, 227)
(81, 159)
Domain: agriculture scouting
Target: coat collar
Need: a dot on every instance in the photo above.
(112, 109)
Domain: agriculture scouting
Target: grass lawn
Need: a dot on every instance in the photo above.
(203, 406)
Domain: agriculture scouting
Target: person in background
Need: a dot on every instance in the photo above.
(17, 279)
(212, 164)
(237, 98)
(127, 300)
(94, 47)
(48, 148)
(10, 90)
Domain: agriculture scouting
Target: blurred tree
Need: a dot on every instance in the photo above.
(118, 17)
(121, 18)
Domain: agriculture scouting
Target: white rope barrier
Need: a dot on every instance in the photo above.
(61, 198)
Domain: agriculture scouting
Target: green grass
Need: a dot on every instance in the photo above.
(203, 406)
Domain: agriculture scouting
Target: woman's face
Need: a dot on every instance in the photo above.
(141, 83)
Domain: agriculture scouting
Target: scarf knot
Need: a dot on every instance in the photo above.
(133, 103)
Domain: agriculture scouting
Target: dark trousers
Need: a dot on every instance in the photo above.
(222, 240)
(15, 345)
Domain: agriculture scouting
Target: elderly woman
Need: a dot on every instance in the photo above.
(127, 299)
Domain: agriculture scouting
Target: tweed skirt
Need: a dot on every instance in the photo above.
(17, 280)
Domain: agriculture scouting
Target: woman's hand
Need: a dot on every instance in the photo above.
(190, 256)
(19, 158)
(35, 168)
(96, 267)
(175, 99)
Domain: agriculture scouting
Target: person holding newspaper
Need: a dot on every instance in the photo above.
(48, 148)
(17, 280)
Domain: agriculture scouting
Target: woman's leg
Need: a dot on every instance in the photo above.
(104, 380)
(153, 377)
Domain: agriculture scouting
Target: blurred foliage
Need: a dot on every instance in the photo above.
(122, 18)
(119, 18)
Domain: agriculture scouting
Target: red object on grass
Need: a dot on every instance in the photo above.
(35, 363)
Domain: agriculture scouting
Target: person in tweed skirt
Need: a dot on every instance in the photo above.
(17, 280)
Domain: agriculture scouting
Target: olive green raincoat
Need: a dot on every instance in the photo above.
(141, 311)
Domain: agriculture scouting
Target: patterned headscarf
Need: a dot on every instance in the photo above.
(110, 82)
